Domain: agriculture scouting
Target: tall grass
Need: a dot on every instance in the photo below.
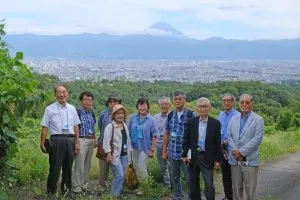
(33, 165)
(278, 143)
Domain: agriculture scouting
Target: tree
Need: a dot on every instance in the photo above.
(285, 119)
(17, 95)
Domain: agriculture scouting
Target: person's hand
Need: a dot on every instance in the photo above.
(186, 161)
(77, 148)
(164, 155)
(150, 154)
(108, 158)
(225, 142)
(217, 165)
(95, 143)
(236, 154)
(43, 148)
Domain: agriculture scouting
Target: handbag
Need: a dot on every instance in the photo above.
(100, 151)
(131, 179)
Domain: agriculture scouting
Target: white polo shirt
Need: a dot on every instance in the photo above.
(57, 117)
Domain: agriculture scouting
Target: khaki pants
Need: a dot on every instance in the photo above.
(140, 161)
(244, 176)
(83, 165)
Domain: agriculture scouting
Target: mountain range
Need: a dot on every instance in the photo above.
(159, 41)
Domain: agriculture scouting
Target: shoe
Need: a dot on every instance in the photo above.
(87, 191)
(139, 193)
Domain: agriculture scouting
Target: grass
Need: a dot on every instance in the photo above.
(32, 167)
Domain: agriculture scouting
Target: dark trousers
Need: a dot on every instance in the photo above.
(61, 155)
(226, 177)
(200, 165)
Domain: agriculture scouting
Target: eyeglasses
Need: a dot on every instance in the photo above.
(245, 102)
(227, 100)
(203, 106)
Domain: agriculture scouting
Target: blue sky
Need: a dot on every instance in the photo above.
(234, 19)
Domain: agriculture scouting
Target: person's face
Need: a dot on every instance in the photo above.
(61, 94)
(203, 108)
(87, 102)
(179, 101)
(164, 106)
(228, 102)
(143, 109)
(119, 116)
(246, 104)
(112, 103)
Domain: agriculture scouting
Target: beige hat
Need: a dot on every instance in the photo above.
(116, 108)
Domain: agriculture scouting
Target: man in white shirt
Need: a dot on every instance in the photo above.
(62, 120)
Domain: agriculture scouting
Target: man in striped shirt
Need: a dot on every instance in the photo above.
(87, 141)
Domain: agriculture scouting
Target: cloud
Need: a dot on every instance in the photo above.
(128, 16)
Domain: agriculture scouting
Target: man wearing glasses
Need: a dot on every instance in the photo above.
(245, 133)
(224, 118)
(202, 136)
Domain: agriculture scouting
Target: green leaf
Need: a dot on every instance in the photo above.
(37, 191)
(29, 124)
(10, 164)
(10, 133)
(12, 180)
(3, 195)
(19, 55)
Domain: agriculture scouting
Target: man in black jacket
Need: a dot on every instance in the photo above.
(202, 136)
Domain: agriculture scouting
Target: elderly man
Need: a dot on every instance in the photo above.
(245, 133)
(103, 120)
(224, 117)
(203, 137)
(172, 141)
(62, 120)
(161, 119)
(87, 139)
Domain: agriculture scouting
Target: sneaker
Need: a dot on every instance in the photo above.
(139, 192)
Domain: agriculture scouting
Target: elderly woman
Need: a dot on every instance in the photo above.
(143, 130)
(118, 156)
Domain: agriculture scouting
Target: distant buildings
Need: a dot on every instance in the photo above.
(168, 70)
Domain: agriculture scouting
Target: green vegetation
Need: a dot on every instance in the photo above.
(23, 97)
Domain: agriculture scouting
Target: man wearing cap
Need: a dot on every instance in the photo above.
(87, 141)
(104, 119)
(61, 119)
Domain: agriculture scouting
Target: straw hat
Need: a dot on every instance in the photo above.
(116, 108)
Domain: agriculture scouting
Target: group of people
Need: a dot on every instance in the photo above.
(183, 141)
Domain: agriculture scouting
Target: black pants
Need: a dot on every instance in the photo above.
(61, 156)
(226, 177)
(200, 165)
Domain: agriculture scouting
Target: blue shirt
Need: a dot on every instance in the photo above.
(202, 133)
(224, 118)
(141, 131)
(176, 128)
(161, 125)
(243, 122)
(87, 126)
(103, 120)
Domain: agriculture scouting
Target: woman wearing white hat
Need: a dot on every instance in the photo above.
(119, 155)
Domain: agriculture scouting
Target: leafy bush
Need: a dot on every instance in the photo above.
(285, 119)
(270, 130)
(31, 163)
